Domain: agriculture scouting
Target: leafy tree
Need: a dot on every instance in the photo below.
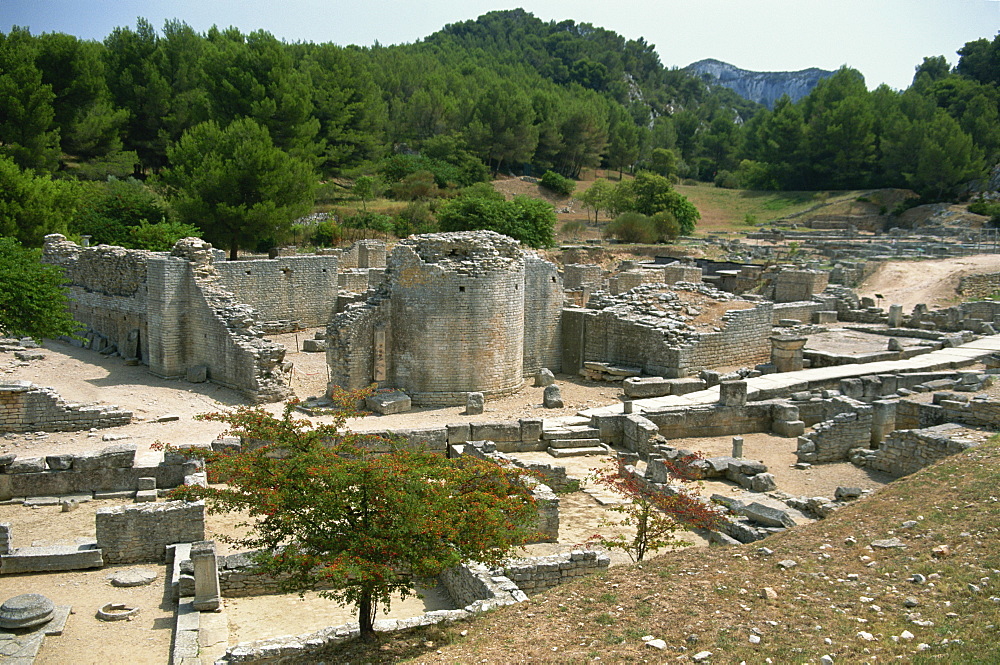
(840, 137)
(33, 302)
(27, 134)
(501, 130)
(326, 512)
(235, 185)
(113, 209)
(663, 162)
(597, 197)
(32, 206)
(631, 227)
(366, 188)
(532, 221)
(655, 515)
(650, 194)
(980, 60)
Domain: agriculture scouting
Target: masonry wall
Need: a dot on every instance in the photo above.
(979, 285)
(744, 340)
(540, 574)
(906, 451)
(141, 533)
(801, 311)
(832, 440)
(107, 289)
(543, 302)
(301, 290)
(974, 413)
(798, 285)
(581, 275)
(25, 407)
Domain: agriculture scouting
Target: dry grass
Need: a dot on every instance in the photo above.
(711, 599)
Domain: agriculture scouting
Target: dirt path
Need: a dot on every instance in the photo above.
(935, 283)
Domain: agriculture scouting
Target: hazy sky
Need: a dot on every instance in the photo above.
(884, 39)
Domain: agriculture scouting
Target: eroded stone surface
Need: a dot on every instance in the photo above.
(25, 611)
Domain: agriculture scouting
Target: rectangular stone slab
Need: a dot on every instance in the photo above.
(45, 559)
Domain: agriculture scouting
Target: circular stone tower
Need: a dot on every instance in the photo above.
(456, 319)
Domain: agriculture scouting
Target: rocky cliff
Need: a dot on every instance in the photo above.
(762, 87)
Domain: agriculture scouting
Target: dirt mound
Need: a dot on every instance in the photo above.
(934, 283)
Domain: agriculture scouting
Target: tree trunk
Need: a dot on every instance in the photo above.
(234, 249)
(366, 614)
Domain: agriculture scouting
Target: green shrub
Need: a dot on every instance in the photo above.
(327, 234)
(989, 208)
(554, 182)
(631, 227)
(160, 237)
(415, 218)
(531, 221)
(726, 180)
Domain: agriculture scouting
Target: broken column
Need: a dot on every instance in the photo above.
(737, 447)
(5, 547)
(786, 352)
(895, 316)
(206, 576)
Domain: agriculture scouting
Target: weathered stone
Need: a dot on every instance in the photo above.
(552, 398)
(474, 404)
(27, 465)
(888, 543)
(25, 611)
(768, 516)
(389, 403)
(544, 377)
(842, 493)
(132, 577)
(59, 462)
(196, 374)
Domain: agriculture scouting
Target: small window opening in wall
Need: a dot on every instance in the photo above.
(324, 269)
(286, 270)
(248, 272)
(515, 287)
(461, 289)
(553, 279)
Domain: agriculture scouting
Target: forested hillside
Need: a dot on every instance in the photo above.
(505, 93)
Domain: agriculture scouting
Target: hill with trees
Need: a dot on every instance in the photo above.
(504, 93)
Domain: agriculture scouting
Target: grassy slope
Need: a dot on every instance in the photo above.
(726, 209)
(715, 594)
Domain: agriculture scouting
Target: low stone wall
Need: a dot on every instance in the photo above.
(979, 285)
(141, 533)
(25, 407)
(948, 408)
(909, 450)
(476, 588)
(108, 470)
(800, 311)
(539, 574)
(832, 440)
(510, 436)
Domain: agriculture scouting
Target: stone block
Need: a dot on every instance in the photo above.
(196, 374)
(47, 559)
(146, 496)
(544, 377)
(531, 429)
(498, 431)
(552, 398)
(768, 515)
(788, 428)
(474, 404)
(146, 484)
(646, 386)
(458, 432)
(27, 465)
(389, 403)
(314, 345)
(59, 462)
(733, 393)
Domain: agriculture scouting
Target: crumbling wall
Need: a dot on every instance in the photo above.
(300, 291)
(141, 533)
(743, 340)
(906, 451)
(25, 407)
(581, 275)
(980, 285)
(171, 313)
(832, 440)
(540, 574)
(950, 408)
(798, 285)
(543, 302)
(108, 291)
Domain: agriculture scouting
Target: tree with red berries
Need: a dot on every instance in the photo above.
(657, 515)
(328, 513)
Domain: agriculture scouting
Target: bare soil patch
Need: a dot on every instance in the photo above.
(934, 283)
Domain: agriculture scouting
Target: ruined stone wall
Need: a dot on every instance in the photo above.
(457, 317)
(141, 533)
(25, 407)
(301, 290)
(581, 275)
(680, 273)
(107, 289)
(743, 340)
(832, 440)
(906, 451)
(803, 311)
(979, 285)
(543, 302)
(714, 420)
(540, 574)
(353, 339)
(194, 321)
(798, 285)
(974, 413)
